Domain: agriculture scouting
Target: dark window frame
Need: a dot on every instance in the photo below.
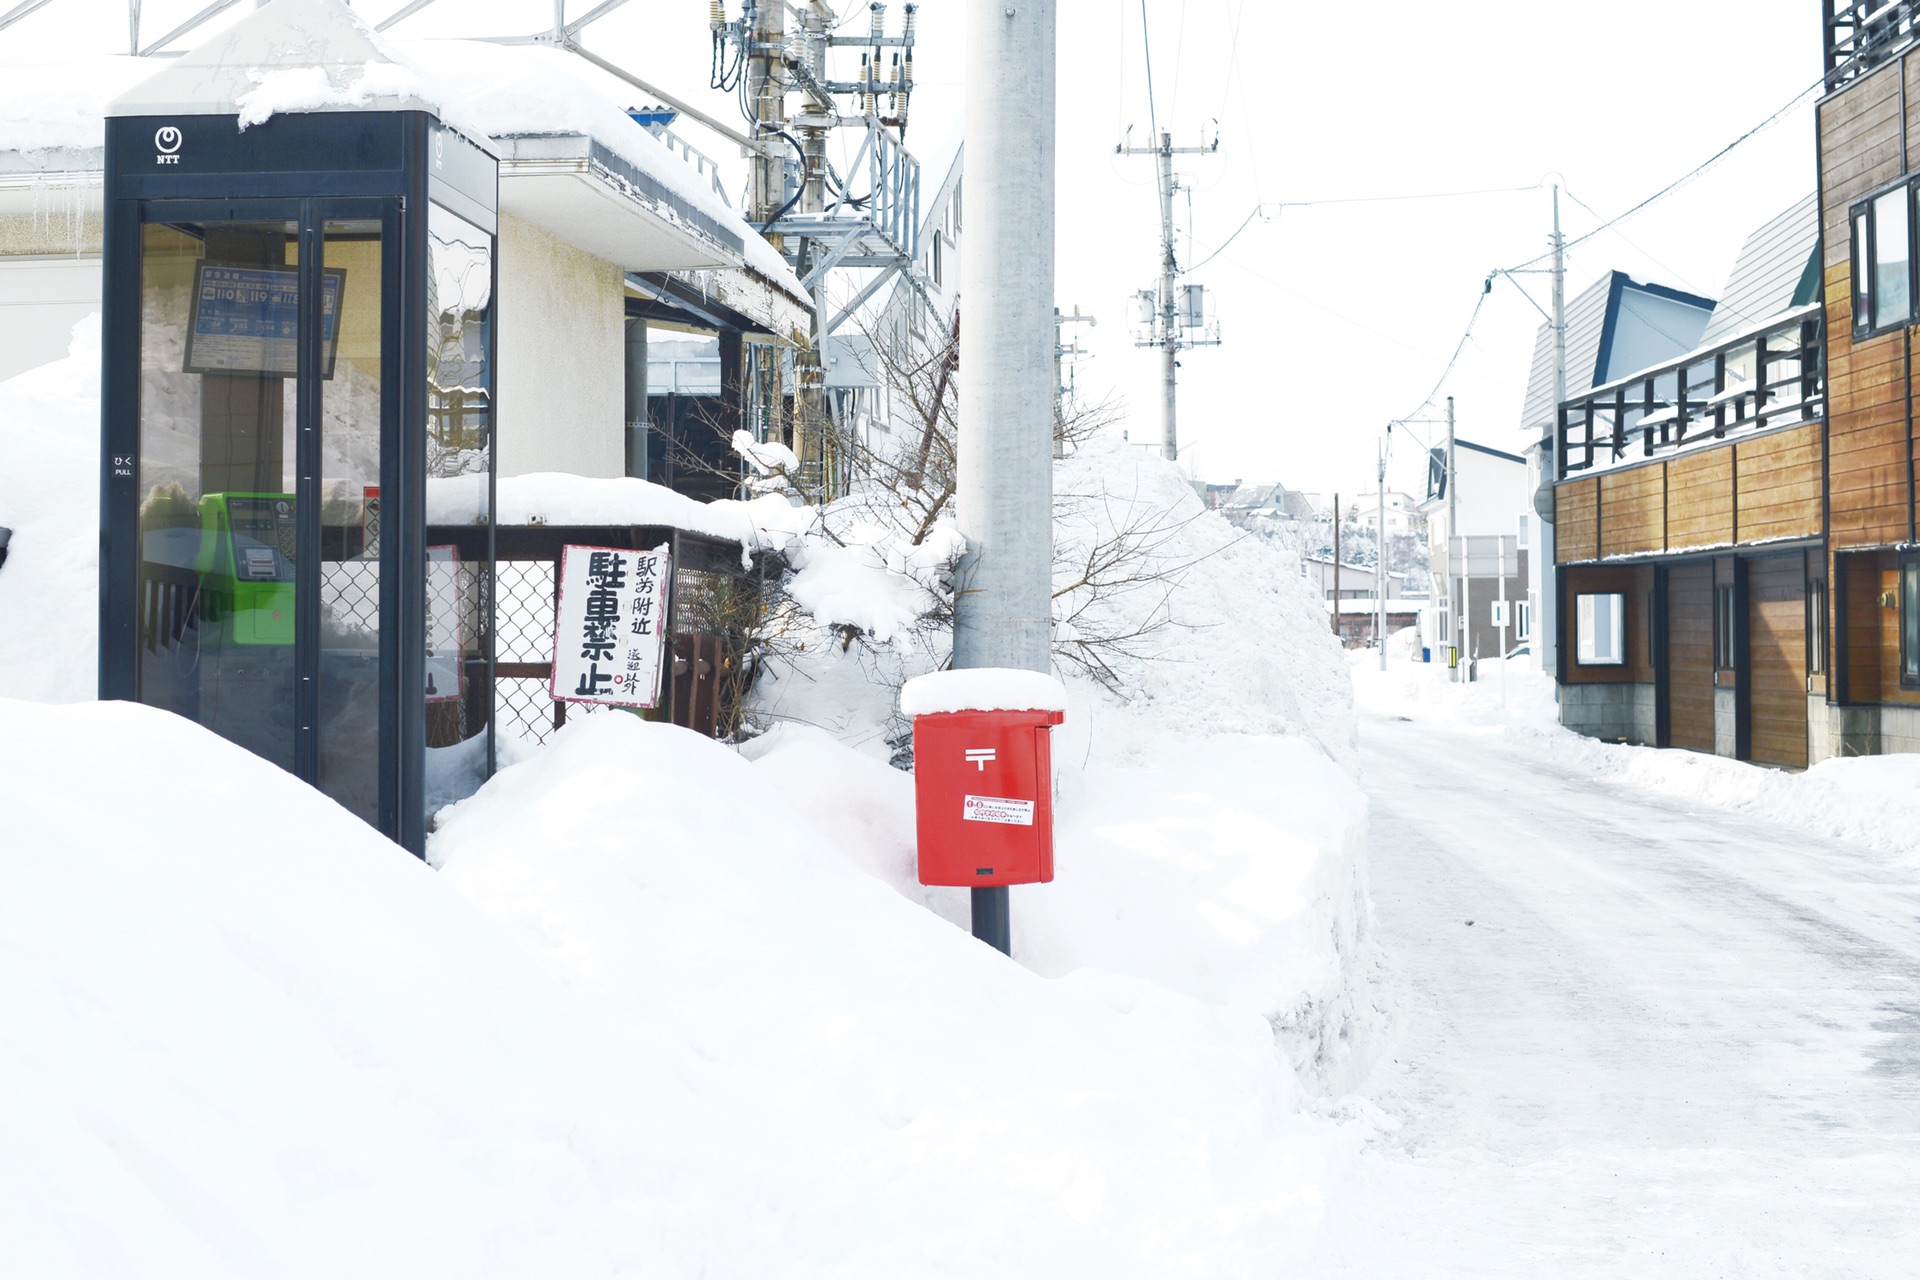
(1861, 216)
(1909, 619)
(1816, 627)
(1723, 628)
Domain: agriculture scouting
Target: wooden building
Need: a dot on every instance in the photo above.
(1690, 527)
(1737, 560)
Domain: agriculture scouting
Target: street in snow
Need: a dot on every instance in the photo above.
(1634, 1035)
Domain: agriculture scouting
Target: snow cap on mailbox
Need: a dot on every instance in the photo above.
(983, 774)
(982, 689)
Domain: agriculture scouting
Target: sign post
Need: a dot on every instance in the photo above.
(611, 633)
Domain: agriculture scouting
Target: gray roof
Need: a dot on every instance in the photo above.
(1658, 319)
(1771, 273)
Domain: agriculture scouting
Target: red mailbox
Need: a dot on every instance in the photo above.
(983, 779)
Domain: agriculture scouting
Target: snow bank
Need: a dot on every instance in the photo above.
(1210, 832)
(49, 497)
(892, 1097)
(243, 1035)
(1247, 649)
(982, 689)
(648, 1019)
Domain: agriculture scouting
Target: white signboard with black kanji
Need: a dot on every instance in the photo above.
(611, 635)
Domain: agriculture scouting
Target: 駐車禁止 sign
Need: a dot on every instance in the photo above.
(609, 641)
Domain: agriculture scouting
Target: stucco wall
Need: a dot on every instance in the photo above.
(561, 379)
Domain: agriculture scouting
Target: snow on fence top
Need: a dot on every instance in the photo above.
(982, 689)
(557, 498)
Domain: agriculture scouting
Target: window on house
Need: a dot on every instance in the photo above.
(936, 257)
(1910, 620)
(1600, 630)
(1862, 277)
(1525, 614)
(1723, 626)
(1883, 261)
(1816, 627)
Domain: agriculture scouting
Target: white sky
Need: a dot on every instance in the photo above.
(1337, 318)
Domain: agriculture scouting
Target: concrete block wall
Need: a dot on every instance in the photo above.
(1725, 713)
(1610, 711)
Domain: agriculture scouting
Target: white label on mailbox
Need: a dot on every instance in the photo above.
(1012, 813)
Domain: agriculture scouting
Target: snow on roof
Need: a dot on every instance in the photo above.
(518, 90)
(982, 689)
(57, 105)
(293, 55)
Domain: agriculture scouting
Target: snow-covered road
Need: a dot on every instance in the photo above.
(1630, 1038)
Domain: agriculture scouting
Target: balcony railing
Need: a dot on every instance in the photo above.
(1864, 34)
(1769, 376)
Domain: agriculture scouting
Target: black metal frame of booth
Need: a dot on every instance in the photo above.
(304, 170)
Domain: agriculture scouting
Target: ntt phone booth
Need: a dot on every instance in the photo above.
(298, 463)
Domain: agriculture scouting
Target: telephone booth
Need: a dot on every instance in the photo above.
(297, 422)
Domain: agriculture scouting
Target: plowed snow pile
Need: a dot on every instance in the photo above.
(667, 1008)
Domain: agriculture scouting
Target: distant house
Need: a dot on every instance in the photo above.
(1351, 582)
(1475, 547)
(1269, 501)
(1402, 512)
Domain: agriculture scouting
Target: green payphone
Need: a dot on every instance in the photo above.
(247, 543)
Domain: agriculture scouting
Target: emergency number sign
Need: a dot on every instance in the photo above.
(610, 639)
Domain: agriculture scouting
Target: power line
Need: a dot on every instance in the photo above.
(1487, 287)
(1260, 210)
(1146, 48)
(1686, 177)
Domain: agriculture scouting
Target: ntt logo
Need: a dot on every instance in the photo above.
(166, 141)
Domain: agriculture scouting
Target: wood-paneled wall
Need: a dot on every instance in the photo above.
(1576, 527)
(1700, 500)
(1635, 582)
(1864, 145)
(1760, 489)
(1634, 503)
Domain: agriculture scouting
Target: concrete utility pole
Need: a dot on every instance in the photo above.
(1453, 527)
(1546, 624)
(1380, 569)
(1061, 350)
(1003, 612)
(1171, 324)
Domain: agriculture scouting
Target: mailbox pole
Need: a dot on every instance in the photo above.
(1003, 614)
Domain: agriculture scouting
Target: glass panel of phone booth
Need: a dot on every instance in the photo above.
(459, 343)
(351, 404)
(218, 351)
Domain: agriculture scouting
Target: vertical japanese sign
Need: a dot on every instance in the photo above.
(611, 635)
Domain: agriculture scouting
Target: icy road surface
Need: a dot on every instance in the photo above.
(1630, 1039)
